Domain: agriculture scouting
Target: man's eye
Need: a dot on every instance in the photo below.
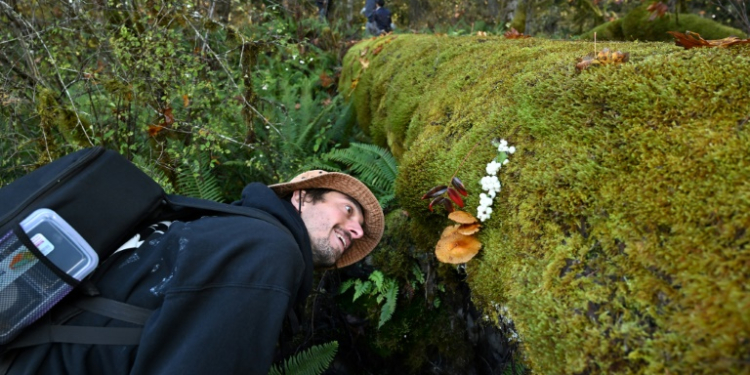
(348, 209)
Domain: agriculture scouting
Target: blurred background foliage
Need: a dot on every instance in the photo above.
(208, 95)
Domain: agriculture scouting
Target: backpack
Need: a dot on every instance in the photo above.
(88, 188)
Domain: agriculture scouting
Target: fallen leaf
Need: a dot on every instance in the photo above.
(514, 34)
(354, 83)
(364, 52)
(694, 40)
(481, 33)
(604, 57)
(326, 102)
(185, 100)
(377, 49)
(365, 63)
(325, 80)
(455, 248)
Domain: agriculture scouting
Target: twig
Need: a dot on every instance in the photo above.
(229, 76)
(466, 156)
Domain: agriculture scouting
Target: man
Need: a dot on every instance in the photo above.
(382, 17)
(220, 286)
(322, 9)
(367, 11)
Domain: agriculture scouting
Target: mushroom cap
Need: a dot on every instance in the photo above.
(462, 217)
(468, 229)
(455, 248)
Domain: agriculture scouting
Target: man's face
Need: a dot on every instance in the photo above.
(333, 224)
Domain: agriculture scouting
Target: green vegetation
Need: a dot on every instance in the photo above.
(637, 25)
(378, 286)
(313, 361)
(618, 243)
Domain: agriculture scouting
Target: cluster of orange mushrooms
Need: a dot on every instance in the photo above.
(457, 244)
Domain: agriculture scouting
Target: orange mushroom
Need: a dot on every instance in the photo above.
(455, 248)
(468, 229)
(462, 217)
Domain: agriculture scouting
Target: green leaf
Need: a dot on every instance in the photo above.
(313, 361)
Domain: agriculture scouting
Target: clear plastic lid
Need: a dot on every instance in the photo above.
(60, 243)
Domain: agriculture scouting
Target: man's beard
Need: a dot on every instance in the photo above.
(323, 254)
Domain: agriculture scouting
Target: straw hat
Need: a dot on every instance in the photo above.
(343, 183)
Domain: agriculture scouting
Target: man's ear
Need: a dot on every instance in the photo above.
(296, 197)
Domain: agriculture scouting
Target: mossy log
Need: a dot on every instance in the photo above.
(638, 25)
(619, 241)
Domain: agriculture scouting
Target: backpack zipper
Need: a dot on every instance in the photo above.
(63, 175)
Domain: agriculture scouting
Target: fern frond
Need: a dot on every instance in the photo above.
(391, 294)
(312, 361)
(345, 286)
(377, 277)
(374, 165)
(198, 181)
(361, 288)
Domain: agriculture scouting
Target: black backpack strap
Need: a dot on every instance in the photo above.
(181, 201)
(114, 309)
(46, 332)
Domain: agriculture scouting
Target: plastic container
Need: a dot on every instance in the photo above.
(36, 272)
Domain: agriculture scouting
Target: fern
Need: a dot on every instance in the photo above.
(312, 361)
(198, 181)
(346, 285)
(390, 294)
(361, 288)
(373, 165)
(377, 277)
(381, 287)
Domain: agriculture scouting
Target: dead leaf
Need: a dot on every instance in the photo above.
(185, 100)
(354, 83)
(153, 130)
(377, 49)
(168, 119)
(462, 217)
(325, 80)
(657, 10)
(364, 51)
(514, 34)
(481, 33)
(297, 106)
(455, 248)
(694, 40)
(365, 63)
(326, 102)
(604, 57)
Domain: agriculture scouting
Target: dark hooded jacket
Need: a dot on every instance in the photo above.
(220, 288)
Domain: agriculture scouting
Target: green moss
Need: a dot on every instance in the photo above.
(618, 242)
(637, 26)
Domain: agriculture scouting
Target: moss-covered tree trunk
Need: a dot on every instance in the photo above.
(619, 240)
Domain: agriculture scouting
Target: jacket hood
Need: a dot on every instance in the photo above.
(259, 196)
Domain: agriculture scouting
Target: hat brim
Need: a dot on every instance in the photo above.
(374, 221)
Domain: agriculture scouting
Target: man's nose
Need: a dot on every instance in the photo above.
(355, 229)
